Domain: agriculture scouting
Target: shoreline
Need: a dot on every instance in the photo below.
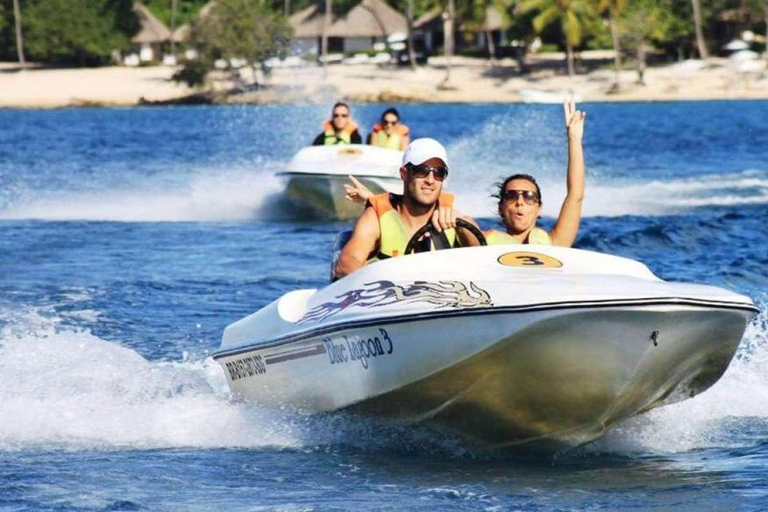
(472, 80)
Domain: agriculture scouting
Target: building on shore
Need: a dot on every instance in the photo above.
(429, 33)
(368, 23)
(152, 35)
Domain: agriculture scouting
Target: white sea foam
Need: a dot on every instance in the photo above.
(232, 195)
(69, 388)
(254, 193)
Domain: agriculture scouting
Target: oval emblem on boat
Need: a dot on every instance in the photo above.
(528, 259)
(350, 151)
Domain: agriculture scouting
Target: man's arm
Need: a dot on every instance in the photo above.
(319, 140)
(364, 239)
(355, 138)
(567, 225)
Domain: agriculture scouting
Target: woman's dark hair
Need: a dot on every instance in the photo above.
(392, 111)
(503, 186)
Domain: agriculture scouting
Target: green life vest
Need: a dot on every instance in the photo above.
(537, 236)
(344, 137)
(379, 137)
(394, 233)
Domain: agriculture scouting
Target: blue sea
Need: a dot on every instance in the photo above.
(129, 238)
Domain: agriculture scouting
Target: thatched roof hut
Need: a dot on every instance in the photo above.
(369, 18)
(152, 31)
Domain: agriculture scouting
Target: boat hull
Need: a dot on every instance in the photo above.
(549, 378)
(323, 195)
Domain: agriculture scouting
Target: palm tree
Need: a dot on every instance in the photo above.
(766, 29)
(19, 37)
(572, 15)
(614, 8)
(702, 45)
(411, 49)
(449, 18)
(326, 27)
(174, 9)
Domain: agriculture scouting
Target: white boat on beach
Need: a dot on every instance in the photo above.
(542, 96)
(315, 177)
(504, 345)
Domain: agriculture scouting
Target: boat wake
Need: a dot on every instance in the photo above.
(254, 193)
(65, 388)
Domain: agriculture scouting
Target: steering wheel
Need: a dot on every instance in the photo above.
(439, 238)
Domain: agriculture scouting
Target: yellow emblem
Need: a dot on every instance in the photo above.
(350, 151)
(528, 259)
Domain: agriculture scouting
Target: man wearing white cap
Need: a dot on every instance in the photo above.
(389, 220)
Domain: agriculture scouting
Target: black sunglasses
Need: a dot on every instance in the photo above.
(529, 196)
(388, 122)
(422, 171)
(335, 115)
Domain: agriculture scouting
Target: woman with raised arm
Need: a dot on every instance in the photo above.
(519, 197)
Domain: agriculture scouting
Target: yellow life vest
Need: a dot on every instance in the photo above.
(394, 233)
(537, 236)
(343, 137)
(381, 139)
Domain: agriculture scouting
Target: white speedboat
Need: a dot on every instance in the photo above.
(316, 175)
(505, 345)
(549, 97)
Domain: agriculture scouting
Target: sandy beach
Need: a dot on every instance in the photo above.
(471, 80)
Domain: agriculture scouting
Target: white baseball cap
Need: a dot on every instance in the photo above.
(421, 150)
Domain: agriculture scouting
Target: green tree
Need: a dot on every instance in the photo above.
(642, 23)
(572, 16)
(235, 29)
(614, 9)
(186, 10)
(79, 32)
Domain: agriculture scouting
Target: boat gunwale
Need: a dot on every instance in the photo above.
(493, 310)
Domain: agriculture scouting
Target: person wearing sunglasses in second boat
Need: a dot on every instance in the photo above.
(340, 129)
(519, 198)
(390, 133)
(389, 221)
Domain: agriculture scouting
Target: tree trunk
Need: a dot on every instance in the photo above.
(702, 45)
(411, 49)
(616, 48)
(448, 40)
(174, 7)
(641, 63)
(491, 47)
(287, 8)
(326, 27)
(569, 57)
(19, 36)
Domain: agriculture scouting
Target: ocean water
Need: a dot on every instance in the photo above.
(129, 238)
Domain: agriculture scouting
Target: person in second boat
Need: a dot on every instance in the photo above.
(390, 133)
(389, 221)
(519, 198)
(340, 129)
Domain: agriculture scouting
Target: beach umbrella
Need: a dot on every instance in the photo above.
(736, 45)
(743, 55)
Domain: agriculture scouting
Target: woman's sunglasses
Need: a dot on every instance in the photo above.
(529, 196)
(390, 122)
(422, 171)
